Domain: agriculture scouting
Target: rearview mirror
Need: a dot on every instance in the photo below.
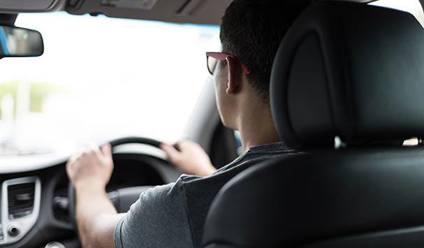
(20, 42)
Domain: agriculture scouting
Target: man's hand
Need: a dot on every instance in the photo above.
(190, 158)
(91, 169)
(89, 172)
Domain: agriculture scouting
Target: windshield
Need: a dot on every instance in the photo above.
(101, 78)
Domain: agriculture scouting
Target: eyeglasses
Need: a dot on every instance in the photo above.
(212, 59)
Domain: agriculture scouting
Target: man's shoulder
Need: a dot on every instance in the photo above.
(251, 158)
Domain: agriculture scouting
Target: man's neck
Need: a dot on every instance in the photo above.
(256, 127)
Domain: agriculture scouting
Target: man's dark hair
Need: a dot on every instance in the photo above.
(252, 31)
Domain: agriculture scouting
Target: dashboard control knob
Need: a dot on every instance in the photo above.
(13, 231)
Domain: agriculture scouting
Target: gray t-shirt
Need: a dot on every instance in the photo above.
(173, 215)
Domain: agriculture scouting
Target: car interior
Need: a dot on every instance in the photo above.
(346, 93)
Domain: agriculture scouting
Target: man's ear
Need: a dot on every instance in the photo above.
(234, 84)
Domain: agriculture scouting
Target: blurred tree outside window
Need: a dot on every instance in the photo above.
(11, 93)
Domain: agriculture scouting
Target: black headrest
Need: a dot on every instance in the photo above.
(352, 71)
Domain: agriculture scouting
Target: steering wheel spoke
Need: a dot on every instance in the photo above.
(123, 198)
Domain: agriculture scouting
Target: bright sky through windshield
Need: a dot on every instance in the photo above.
(102, 78)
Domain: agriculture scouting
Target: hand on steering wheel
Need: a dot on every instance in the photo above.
(103, 160)
(91, 169)
(189, 157)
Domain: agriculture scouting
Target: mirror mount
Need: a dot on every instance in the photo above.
(8, 19)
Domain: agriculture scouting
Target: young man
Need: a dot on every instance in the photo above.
(174, 215)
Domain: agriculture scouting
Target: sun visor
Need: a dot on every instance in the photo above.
(22, 6)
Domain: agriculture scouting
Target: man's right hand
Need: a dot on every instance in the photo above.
(190, 158)
(91, 169)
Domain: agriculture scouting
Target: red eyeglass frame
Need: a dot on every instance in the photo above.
(224, 57)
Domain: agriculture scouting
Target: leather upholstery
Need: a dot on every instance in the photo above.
(352, 71)
(321, 196)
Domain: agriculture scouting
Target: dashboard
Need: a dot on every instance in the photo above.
(35, 204)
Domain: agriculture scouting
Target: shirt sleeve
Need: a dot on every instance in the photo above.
(157, 219)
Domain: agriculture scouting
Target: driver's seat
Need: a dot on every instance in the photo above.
(355, 74)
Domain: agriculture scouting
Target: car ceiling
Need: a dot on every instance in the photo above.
(179, 11)
(185, 11)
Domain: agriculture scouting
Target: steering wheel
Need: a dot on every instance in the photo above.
(126, 192)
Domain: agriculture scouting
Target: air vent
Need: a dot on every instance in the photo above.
(21, 200)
